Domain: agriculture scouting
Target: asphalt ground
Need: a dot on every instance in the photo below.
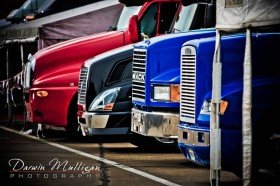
(100, 160)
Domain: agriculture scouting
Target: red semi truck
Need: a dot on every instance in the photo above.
(51, 75)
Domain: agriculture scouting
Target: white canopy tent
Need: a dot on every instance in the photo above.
(233, 16)
(18, 40)
(85, 20)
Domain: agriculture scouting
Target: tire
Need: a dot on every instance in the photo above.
(265, 152)
(72, 120)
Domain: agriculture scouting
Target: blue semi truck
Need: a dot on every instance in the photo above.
(196, 88)
(156, 74)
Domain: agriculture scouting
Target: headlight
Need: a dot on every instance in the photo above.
(167, 93)
(162, 93)
(206, 107)
(29, 67)
(105, 100)
(27, 78)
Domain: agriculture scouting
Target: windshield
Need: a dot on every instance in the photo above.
(32, 4)
(26, 4)
(184, 20)
(127, 12)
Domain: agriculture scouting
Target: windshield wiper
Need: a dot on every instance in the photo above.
(112, 28)
(175, 29)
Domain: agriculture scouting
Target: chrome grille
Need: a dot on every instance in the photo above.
(83, 86)
(188, 77)
(138, 74)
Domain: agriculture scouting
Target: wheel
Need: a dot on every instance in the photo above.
(72, 129)
(72, 120)
(265, 152)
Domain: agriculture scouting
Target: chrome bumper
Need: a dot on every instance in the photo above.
(96, 124)
(194, 138)
(156, 124)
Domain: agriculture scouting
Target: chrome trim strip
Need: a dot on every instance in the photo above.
(155, 124)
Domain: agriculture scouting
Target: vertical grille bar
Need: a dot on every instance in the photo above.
(138, 74)
(188, 79)
(83, 86)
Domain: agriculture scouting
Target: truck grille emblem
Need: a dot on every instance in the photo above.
(138, 76)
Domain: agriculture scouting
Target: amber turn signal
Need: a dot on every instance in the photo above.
(175, 93)
(42, 93)
(223, 107)
(108, 106)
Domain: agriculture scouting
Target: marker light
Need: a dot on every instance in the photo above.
(206, 107)
(223, 107)
(175, 93)
(108, 106)
(42, 93)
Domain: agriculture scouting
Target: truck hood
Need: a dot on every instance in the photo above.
(70, 55)
(163, 60)
(169, 77)
(264, 60)
(160, 41)
(72, 43)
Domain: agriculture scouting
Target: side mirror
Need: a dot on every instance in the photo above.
(133, 29)
(210, 19)
(29, 58)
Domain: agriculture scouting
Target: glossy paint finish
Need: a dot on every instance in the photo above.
(57, 70)
(266, 79)
(117, 120)
(163, 63)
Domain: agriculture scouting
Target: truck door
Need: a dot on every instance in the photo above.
(158, 18)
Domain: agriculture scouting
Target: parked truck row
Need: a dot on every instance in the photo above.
(54, 71)
(117, 120)
(150, 77)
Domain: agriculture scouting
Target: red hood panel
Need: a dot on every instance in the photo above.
(73, 53)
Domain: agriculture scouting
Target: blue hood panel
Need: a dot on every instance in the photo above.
(168, 77)
(163, 62)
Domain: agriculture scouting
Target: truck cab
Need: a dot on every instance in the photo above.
(107, 87)
(52, 74)
(156, 73)
(115, 120)
(196, 91)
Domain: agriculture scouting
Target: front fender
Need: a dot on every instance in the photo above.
(264, 95)
(52, 109)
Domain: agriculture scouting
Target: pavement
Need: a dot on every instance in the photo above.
(101, 160)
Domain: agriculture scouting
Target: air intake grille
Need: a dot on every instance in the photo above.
(138, 75)
(83, 86)
(188, 77)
